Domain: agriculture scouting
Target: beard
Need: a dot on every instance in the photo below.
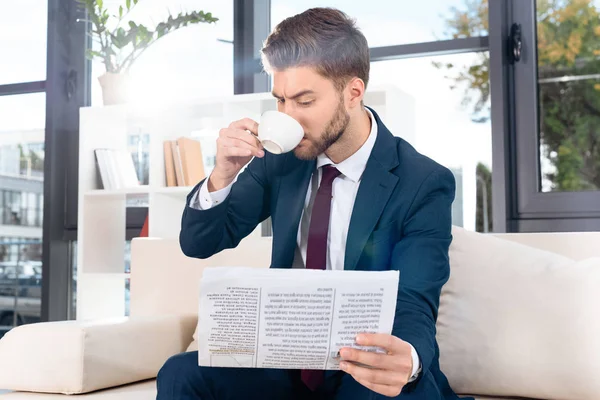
(333, 132)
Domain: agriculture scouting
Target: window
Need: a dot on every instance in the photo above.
(568, 43)
(27, 213)
(557, 116)
(459, 137)
(23, 26)
(22, 127)
(389, 22)
(195, 61)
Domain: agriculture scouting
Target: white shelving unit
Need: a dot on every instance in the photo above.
(101, 220)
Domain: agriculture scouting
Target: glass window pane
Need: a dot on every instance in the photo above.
(23, 31)
(455, 90)
(193, 62)
(392, 22)
(22, 121)
(32, 210)
(569, 94)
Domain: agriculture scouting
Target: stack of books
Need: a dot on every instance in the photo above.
(184, 165)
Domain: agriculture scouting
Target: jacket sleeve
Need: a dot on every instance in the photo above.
(207, 232)
(421, 255)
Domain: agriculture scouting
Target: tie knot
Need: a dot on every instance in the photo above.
(329, 174)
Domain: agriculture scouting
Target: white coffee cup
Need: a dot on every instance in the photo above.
(278, 132)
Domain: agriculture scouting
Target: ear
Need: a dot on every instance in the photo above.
(356, 91)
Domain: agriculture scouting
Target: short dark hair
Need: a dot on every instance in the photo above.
(323, 38)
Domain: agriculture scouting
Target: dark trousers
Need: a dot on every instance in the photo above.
(182, 379)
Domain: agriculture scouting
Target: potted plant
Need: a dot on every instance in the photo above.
(121, 45)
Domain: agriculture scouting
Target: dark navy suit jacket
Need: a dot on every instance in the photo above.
(401, 220)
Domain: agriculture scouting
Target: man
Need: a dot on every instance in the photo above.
(350, 196)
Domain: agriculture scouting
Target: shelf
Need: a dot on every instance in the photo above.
(129, 192)
(116, 275)
(140, 191)
(174, 190)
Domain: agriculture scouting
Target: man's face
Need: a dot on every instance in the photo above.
(313, 101)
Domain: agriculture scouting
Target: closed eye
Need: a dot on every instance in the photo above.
(305, 103)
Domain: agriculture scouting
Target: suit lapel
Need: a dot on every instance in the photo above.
(290, 203)
(376, 186)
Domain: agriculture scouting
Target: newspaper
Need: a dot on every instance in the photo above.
(290, 318)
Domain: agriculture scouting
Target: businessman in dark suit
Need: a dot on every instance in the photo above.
(350, 196)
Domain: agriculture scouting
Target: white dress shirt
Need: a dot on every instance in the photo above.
(344, 190)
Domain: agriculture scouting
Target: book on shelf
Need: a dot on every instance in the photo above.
(116, 169)
(169, 164)
(184, 164)
(177, 164)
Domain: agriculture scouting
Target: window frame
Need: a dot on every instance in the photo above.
(67, 89)
(537, 210)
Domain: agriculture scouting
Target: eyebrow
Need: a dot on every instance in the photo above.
(299, 94)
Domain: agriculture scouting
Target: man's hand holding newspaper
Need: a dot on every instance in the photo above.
(385, 373)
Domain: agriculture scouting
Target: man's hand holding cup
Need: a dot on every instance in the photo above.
(244, 139)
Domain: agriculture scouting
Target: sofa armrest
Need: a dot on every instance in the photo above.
(82, 356)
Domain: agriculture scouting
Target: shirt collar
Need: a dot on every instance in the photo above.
(354, 166)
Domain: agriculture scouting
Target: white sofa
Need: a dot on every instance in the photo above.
(513, 322)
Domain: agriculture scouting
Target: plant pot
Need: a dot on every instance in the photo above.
(115, 88)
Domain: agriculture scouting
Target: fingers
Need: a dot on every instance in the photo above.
(245, 124)
(240, 134)
(236, 141)
(237, 152)
(373, 376)
(375, 360)
(387, 373)
(390, 343)
(236, 145)
(239, 148)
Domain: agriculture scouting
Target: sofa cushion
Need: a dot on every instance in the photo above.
(137, 391)
(494, 398)
(518, 321)
(79, 357)
(145, 390)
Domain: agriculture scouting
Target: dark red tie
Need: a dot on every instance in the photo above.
(316, 253)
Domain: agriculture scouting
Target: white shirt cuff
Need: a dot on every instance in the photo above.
(204, 200)
(416, 364)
